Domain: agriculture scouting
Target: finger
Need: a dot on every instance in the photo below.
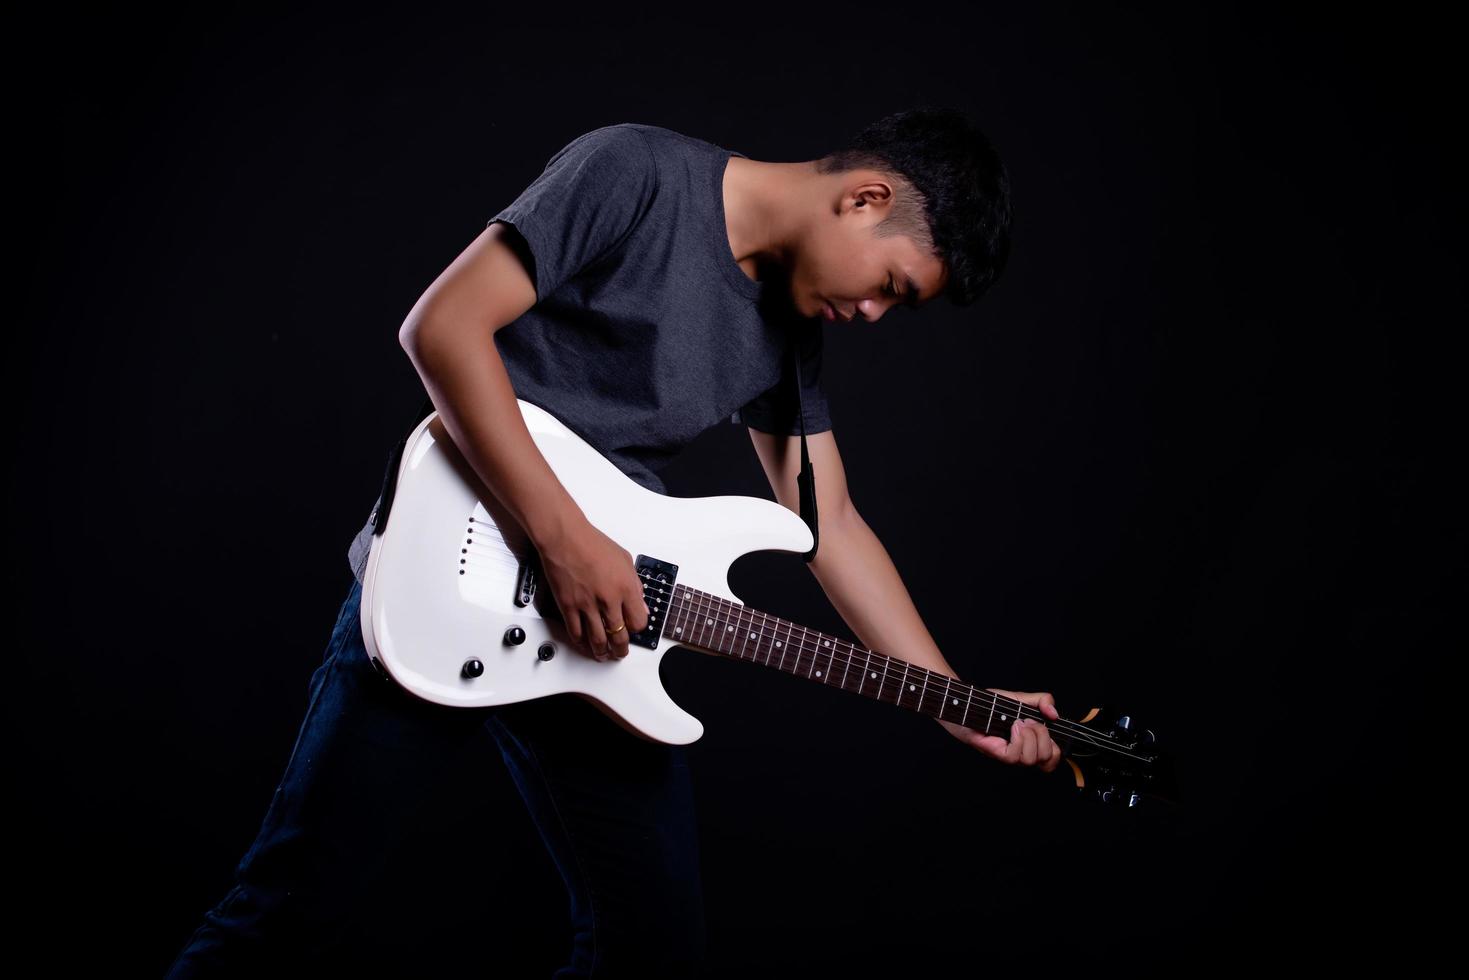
(1027, 742)
(635, 608)
(596, 636)
(991, 745)
(571, 619)
(633, 614)
(1047, 705)
(612, 617)
(1043, 745)
(1052, 753)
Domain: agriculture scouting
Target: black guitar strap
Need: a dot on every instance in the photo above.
(805, 480)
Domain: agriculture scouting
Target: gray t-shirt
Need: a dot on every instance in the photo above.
(645, 330)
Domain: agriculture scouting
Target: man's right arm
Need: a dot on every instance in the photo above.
(449, 336)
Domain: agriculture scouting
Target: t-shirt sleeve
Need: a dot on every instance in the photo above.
(774, 411)
(585, 203)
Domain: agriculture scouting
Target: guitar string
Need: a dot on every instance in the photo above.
(705, 603)
(837, 657)
(805, 648)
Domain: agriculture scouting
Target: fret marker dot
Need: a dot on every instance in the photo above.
(874, 673)
(752, 636)
(729, 629)
(826, 643)
(777, 644)
(818, 673)
(910, 687)
(709, 622)
(678, 629)
(1004, 717)
(956, 700)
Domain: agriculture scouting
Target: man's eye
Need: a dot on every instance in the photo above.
(892, 290)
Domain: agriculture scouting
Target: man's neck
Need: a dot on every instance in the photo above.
(765, 207)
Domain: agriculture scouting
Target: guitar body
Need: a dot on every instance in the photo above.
(452, 576)
(455, 611)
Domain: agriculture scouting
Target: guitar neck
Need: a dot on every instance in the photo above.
(707, 622)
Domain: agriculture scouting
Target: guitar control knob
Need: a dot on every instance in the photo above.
(514, 636)
(547, 651)
(472, 668)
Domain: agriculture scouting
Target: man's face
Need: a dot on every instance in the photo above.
(844, 265)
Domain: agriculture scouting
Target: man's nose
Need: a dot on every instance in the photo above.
(873, 309)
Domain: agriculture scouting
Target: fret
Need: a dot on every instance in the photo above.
(699, 630)
(746, 635)
(726, 609)
(832, 662)
(824, 674)
(696, 619)
(774, 625)
(711, 624)
(692, 626)
(680, 616)
(732, 631)
(740, 631)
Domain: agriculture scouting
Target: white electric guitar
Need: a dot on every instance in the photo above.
(454, 609)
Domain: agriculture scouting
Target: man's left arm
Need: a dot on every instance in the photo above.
(864, 586)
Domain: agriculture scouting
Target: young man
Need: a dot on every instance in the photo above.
(645, 286)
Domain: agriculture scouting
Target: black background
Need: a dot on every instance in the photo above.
(1179, 461)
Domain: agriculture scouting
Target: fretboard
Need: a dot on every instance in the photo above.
(707, 622)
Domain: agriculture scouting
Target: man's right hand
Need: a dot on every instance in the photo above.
(594, 581)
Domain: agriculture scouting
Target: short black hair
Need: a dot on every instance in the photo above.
(954, 193)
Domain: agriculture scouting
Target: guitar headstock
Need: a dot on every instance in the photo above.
(1115, 759)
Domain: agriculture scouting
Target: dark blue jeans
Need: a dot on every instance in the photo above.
(615, 812)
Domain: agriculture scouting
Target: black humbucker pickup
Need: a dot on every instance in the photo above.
(658, 578)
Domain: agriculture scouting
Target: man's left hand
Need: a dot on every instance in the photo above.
(1030, 741)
